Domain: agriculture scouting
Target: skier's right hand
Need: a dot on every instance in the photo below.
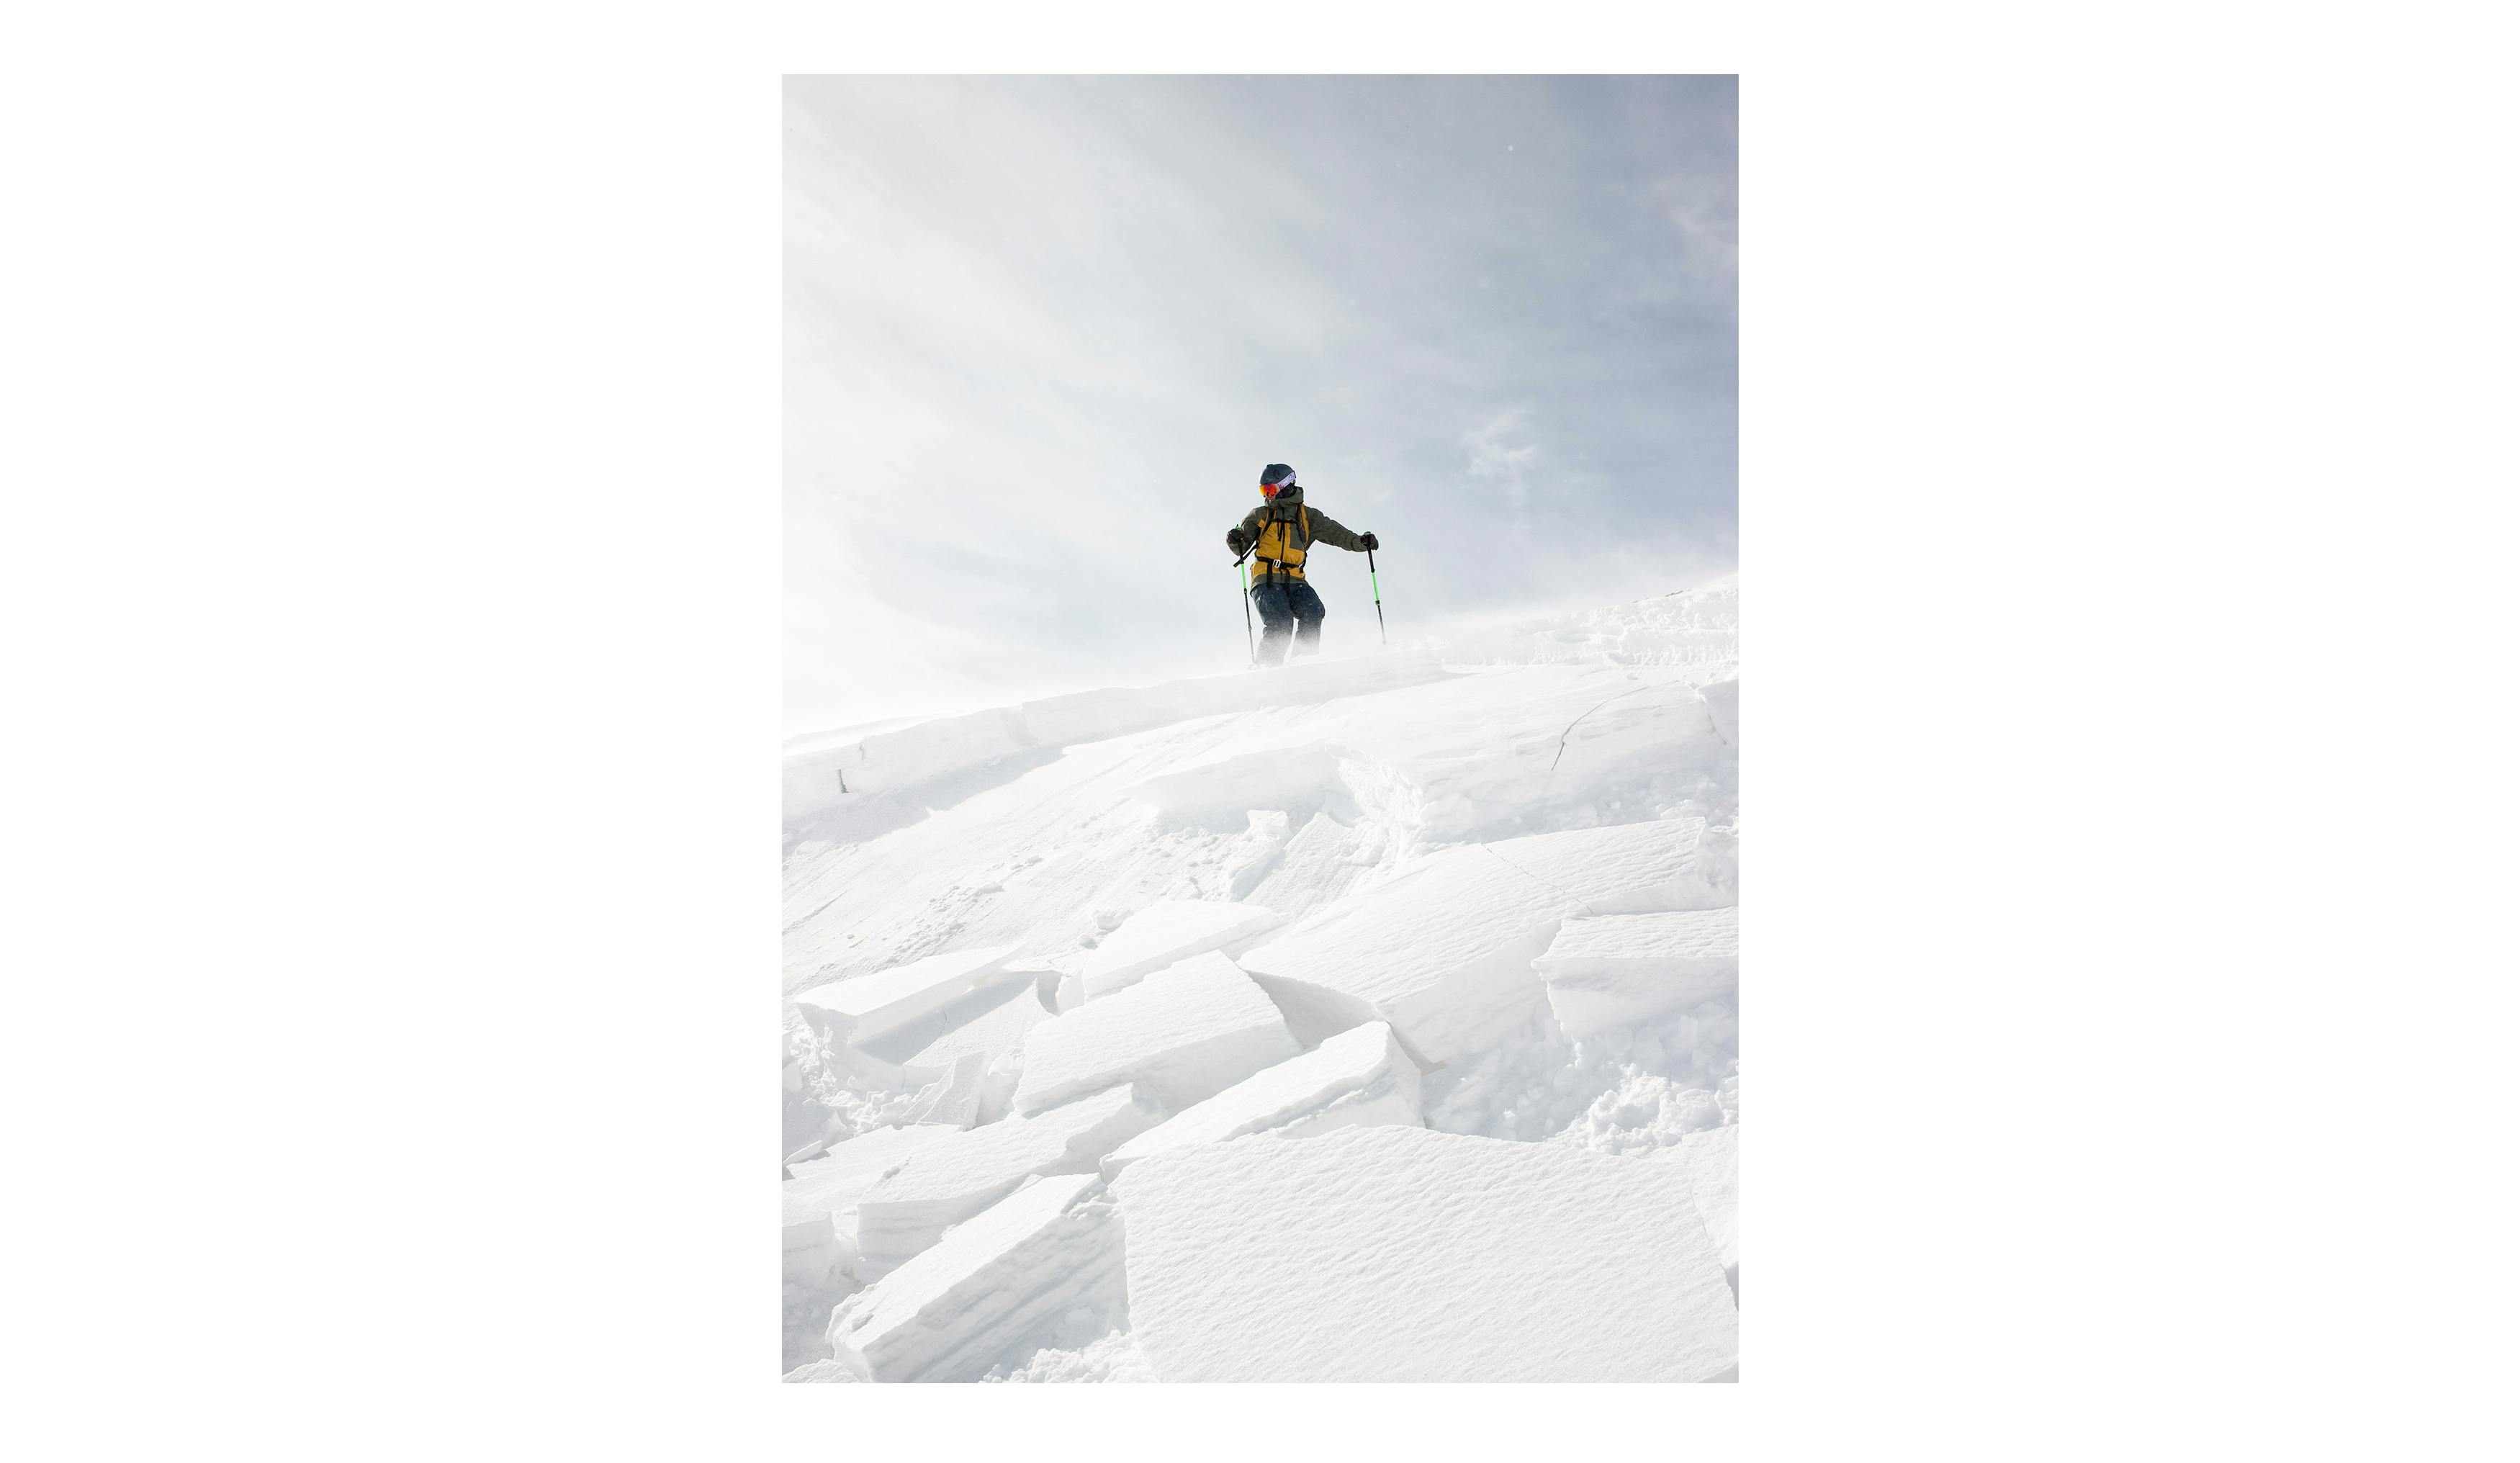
(1234, 541)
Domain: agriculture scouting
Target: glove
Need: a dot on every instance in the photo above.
(1234, 541)
(1372, 543)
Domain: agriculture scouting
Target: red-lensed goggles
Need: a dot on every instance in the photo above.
(1272, 489)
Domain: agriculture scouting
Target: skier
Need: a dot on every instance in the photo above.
(1276, 534)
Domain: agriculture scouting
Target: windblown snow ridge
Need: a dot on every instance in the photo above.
(1698, 629)
(892, 761)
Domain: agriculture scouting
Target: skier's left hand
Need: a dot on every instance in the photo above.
(1372, 543)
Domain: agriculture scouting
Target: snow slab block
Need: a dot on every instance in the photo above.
(817, 1207)
(1355, 1078)
(1712, 1159)
(1444, 948)
(991, 1022)
(1406, 1254)
(948, 1314)
(1166, 932)
(822, 1371)
(949, 1180)
(955, 1097)
(867, 1008)
(1182, 1035)
(1722, 701)
(1618, 969)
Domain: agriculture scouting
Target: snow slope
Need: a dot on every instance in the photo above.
(1182, 897)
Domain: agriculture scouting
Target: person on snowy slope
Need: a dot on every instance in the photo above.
(1278, 534)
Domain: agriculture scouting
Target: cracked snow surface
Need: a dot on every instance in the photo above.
(1362, 1018)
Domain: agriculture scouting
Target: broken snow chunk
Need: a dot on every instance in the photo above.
(1445, 948)
(1712, 1159)
(951, 1180)
(1442, 950)
(822, 1371)
(1620, 968)
(1163, 933)
(991, 1020)
(1182, 1035)
(866, 1008)
(1723, 700)
(1013, 1268)
(1405, 1255)
(976, 1053)
(819, 1205)
(1355, 1079)
(955, 1097)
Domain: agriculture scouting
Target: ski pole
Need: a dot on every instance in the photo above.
(1376, 581)
(1239, 592)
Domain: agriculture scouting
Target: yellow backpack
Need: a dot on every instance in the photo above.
(1279, 554)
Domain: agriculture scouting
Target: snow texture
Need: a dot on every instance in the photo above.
(1166, 932)
(1712, 1159)
(1402, 1254)
(946, 1316)
(1113, 1358)
(825, 1370)
(869, 1007)
(817, 1205)
(1443, 951)
(1182, 1035)
(1355, 1079)
(954, 1179)
(1618, 969)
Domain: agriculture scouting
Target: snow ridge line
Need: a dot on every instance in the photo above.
(1579, 721)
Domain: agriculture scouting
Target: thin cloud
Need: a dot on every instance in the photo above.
(1495, 458)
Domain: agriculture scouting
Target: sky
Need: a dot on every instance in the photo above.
(1042, 333)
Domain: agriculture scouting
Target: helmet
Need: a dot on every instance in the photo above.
(1275, 478)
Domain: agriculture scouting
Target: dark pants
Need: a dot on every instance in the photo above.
(1288, 606)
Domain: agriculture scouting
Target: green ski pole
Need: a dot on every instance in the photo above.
(1376, 581)
(1241, 594)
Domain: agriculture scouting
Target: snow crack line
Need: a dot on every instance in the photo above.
(1579, 721)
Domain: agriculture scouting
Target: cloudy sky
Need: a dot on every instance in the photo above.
(1042, 333)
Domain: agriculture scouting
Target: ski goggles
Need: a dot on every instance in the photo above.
(1272, 489)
